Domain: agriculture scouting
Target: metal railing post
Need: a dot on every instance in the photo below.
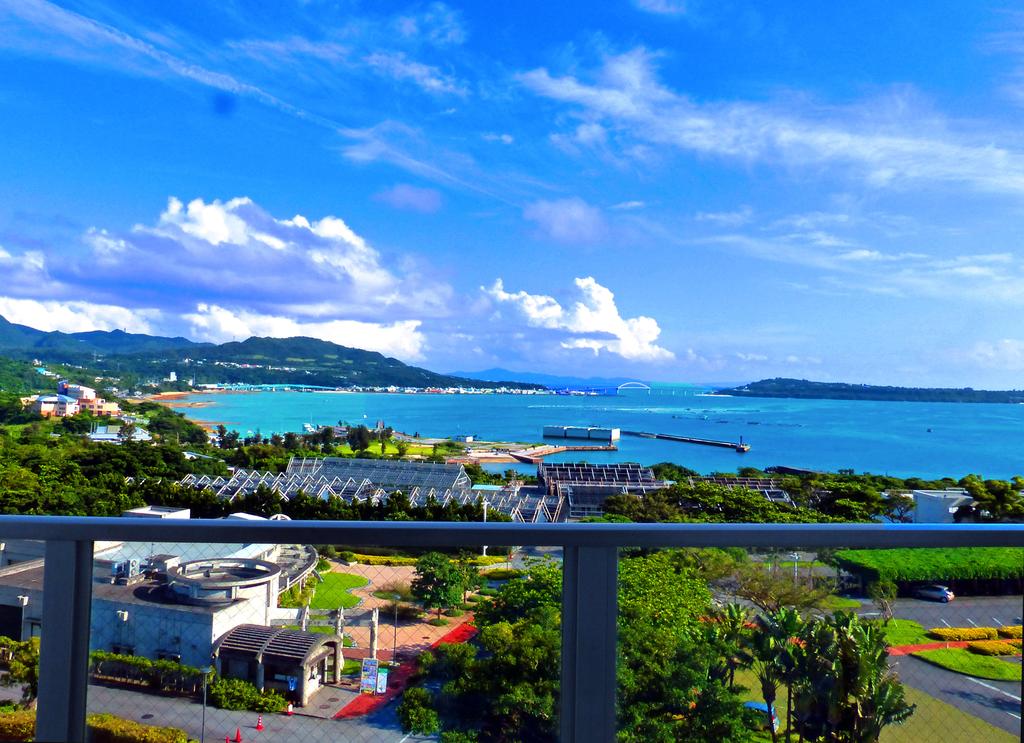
(64, 648)
(589, 644)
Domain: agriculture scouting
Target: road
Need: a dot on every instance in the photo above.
(186, 714)
(969, 611)
(995, 702)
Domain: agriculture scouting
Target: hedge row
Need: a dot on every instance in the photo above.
(926, 564)
(960, 634)
(1012, 631)
(21, 726)
(994, 647)
(158, 674)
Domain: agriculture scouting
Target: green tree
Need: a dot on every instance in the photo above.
(416, 713)
(23, 667)
(846, 691)
(883, 594)
(358, 438)
(438, 583)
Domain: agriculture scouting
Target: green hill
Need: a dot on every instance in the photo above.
(137, 358)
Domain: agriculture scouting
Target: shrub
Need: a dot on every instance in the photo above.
(105, 728)
(959, 634)
(503, 574)
(453, 612)
(439, 622)
(347, 556)
(19, 725)
(991, 647)
(389, 560)
(322, 565)
(236, 694)
(110, 729)
(1012, 631)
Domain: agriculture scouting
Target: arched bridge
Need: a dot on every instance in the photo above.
(633, 386)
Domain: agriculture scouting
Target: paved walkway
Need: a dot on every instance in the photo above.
(364, 704)
(909, 649)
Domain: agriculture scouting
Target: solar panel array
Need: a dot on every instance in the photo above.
(519, 503)
(388, 474)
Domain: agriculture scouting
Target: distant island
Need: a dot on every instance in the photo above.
(807, 390)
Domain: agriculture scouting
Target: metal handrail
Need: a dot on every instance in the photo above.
(468, 534)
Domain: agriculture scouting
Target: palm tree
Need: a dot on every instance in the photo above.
(845, 690)
(786, 625)
(732, 622)
(764, 659)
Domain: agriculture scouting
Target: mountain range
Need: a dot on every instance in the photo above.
(137, 357)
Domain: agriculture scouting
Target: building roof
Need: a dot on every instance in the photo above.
(273, 643)
(627, 473)
(386, 474)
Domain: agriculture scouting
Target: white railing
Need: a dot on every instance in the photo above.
(589, 599)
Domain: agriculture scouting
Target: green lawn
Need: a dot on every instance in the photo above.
(334, 591)
(932, 720)
(905, 632)
(840, 603)
(981, 666)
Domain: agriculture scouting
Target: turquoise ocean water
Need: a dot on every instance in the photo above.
(905, 439)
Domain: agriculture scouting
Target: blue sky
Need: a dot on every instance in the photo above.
(664, 189)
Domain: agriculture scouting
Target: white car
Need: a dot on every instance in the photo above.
(935, 593)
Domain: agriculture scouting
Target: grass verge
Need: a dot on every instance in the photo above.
(334, 591)
(905, 632)
(959, 660)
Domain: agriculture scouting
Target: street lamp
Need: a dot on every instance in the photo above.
(23, 602)
(796, 564)
(394, 650)
(485, 521)
(205, 670)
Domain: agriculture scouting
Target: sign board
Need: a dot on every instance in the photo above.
(368, 677)
(293, 682)
(382, 680)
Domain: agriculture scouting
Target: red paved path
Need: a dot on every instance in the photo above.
(364, 704)
(908, 649)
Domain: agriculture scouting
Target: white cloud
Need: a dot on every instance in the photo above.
(402, 339)
(204, 250)
(438, 24)
(404, 196)
(398, 66)
(1005, 355)
(593, 323)
(662, 7)
(734, 218)
(567, 220)
(627, 94)
(629, 205)
(75, 317)
(502, 137)
(750, 357)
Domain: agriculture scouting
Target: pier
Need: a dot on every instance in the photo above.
(737, 446)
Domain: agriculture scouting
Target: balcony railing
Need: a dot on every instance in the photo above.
(589, 600)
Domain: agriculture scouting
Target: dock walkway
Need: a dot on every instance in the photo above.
(737, 446)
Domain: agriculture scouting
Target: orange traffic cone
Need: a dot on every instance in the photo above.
(238, 735)
(259, 722)
(227, 738)
(291, 709)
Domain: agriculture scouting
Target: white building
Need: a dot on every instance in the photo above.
(938, 506)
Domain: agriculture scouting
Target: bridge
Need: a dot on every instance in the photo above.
(633, 386)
